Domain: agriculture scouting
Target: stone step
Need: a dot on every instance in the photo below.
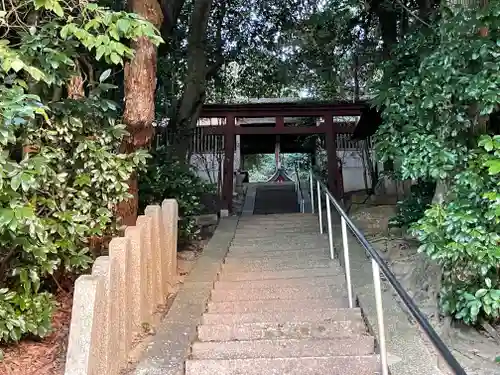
(291, 237)
(355, 345)
(276, 306)
(273, 330)
(278, 265)
(338, 280)
(279, 217)
(229, 275)
(272, 263)
(305, 315)
(259, 232)
(276, 246)
(292, 253)
(340, 365)
(221, 295)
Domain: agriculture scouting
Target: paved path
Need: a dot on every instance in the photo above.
(275, 198)
(280, 307)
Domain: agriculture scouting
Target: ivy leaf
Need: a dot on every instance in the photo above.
(115, 58)
(493, 166)
(56, 7)
(104, 76)
(16, 181)
(6, 216)
(123, 25)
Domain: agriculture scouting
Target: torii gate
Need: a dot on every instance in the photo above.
(278, 111)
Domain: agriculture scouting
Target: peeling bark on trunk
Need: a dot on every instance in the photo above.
(75, 87)
(140, 86)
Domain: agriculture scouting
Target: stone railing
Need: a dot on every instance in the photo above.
(122, 293)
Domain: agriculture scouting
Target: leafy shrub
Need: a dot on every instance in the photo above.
(438, 90)
(54, 199)
(463, 236)
(61, 174)
(412, 208)
(167, 177)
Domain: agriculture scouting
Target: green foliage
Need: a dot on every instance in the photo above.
(61, 174)
(167, 177)
(428, 88)
(463, 236)
(438, 91)
(412, 208)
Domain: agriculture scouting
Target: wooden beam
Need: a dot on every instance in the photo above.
(270, 131)
(331, 152)
(292, 130)
(304, 109)
(280, 122)
(229, 149)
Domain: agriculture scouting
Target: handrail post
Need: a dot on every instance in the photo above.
(347, 263)
(380, 316)
(297, 186)
(311, 187)
(320, 210)
(329, 218)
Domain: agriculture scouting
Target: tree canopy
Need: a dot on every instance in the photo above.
(83, 84)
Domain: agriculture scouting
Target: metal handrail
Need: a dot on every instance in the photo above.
(300, 192)
(378, 264)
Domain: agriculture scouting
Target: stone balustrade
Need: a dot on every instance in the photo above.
(123, 292)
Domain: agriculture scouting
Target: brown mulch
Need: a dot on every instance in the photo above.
(43, 357)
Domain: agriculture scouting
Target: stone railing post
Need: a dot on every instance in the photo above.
(170, 211)
(123, 292)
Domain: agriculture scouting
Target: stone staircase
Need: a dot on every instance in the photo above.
(280, 307)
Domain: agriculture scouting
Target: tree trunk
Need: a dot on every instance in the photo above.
(75, 87)
(140, 86)
(193, 95)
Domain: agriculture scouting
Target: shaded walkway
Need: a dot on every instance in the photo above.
(275, 198)
(279, 305)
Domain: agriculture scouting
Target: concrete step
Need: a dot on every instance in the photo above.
(272, 263)
(229, 275)
(275, 246)
(262, 233)
(221, 295)
(337, 280)
(278, 265)
(292, 253)
(273, 330)
(306, 315)
(290, 238)
(340, 365)
(276, 306)
(355, 345)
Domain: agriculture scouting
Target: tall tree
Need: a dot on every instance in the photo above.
(140, 86)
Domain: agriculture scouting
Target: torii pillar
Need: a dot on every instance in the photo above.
(229, 149)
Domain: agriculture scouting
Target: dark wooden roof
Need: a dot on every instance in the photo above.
(369, 122)
(273, 109)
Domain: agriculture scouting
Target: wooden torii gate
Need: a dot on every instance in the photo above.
(278, 111)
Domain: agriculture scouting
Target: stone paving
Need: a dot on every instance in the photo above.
(280, 314)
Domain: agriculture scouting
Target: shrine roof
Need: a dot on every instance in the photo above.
(284, 107)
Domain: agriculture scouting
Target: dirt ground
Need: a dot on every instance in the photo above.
(48, 356)
(474, 348)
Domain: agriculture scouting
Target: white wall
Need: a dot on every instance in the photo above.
(352, 167)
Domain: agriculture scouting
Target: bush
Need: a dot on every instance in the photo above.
(413, 208)
(167, 177)
(463, 236)
(61, 174)
(54, 199)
